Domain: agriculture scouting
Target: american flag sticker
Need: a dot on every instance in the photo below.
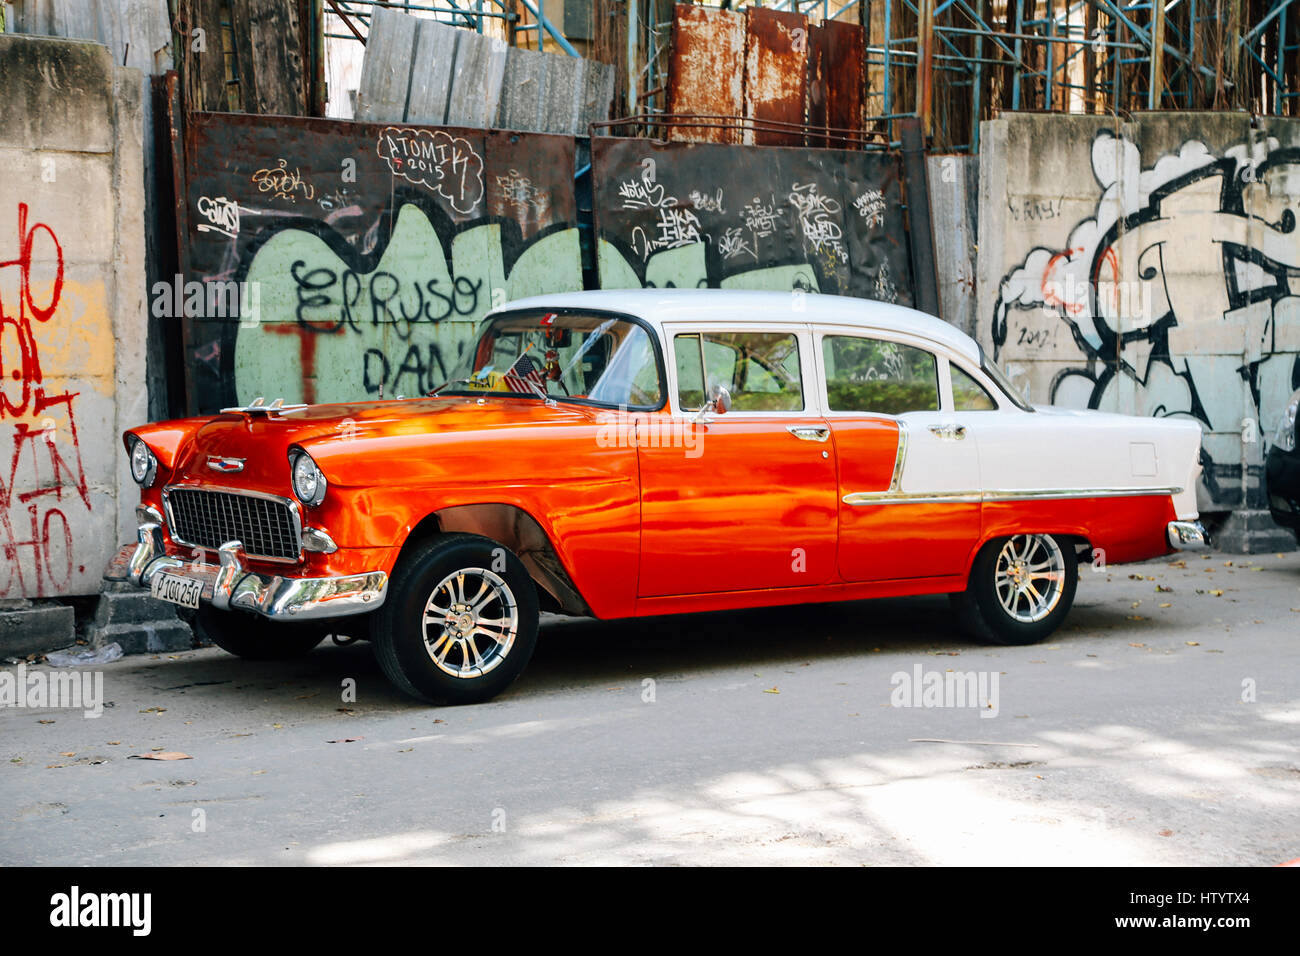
(524, 377)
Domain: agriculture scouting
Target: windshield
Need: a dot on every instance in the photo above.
(1004, 383)
(591, 358)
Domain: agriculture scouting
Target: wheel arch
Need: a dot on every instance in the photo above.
(512, 527)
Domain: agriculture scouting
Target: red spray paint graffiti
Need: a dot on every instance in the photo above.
(43, 462)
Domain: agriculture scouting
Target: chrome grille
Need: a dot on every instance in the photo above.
(267, 527)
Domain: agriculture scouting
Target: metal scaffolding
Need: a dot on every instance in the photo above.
(955, 62)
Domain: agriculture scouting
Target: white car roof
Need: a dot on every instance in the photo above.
(725, 306)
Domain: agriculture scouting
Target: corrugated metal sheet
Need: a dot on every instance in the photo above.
(706, 70)
(835, 81)
(422, 71)
(776, 61)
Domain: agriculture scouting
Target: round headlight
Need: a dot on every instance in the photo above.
(143, 464)
(308, 482)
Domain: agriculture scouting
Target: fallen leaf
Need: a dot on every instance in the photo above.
(1166, 833)
(45, 721)
(1192, 643)
(258, 773)
(1136, 617)
(154, 710)
(406, 750)
(345, 740)
(68, 753)
(162, 755)
(1136, 645)
(438, 720)
(771, 690)
(114, 743)
(1217, 592)
(1164, 588)
(1166, 604)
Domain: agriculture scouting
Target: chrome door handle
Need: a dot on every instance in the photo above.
(949, 432)
(809, 432)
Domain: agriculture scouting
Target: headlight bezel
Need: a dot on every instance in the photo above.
(150, 469)
(319, 484)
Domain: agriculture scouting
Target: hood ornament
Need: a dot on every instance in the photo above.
(258, 406)
(226, 465)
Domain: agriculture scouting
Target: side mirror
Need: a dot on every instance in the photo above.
(717, 403)
(719, 399)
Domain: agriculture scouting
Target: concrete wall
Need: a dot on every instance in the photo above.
(72, 311)
(954, 213)
(1145, 267)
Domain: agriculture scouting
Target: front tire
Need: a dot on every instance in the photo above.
(1020, 590)
(255, 638)
(460, 621)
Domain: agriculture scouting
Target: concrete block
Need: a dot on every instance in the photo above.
(1253, 532)
(132, 607)
(35, 629)
(152, 637)
(57, 94)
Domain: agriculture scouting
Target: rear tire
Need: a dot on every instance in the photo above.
(1020, 589)
(255, 638)
(460, 621)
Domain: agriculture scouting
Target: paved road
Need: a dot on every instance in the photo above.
(770, 738)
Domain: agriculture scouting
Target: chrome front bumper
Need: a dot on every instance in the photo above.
(229, 585)
(1187, 536)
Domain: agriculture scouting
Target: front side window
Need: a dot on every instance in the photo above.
(873, 375)
(760, 369)
(589, 358)
(969, 395)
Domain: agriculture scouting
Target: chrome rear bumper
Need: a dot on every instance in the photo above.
(1187, 536)
(229, 585)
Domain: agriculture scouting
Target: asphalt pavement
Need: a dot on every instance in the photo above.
(1160, 726)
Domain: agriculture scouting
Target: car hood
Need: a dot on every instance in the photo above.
(251, 449)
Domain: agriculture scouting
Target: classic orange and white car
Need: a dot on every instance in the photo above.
(619, 454)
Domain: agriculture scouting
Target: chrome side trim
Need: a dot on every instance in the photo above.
(231, 586)
(1187, 536)
(896, 497)
(900, 458)
(295, 513)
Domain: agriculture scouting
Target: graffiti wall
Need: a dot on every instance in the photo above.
(1146, 268)
(72, 307)
(330, 261)
(699, 214)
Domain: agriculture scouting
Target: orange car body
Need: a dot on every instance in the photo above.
(615, 517)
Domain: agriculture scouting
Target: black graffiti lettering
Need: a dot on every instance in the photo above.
(412, 364)
(311, 288)
(371, 386)
(351, 295)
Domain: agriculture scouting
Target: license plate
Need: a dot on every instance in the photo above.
(177, 590)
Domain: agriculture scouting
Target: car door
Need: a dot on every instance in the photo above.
(908, 472)
(743, 500)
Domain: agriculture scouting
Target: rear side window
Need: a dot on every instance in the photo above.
(760, 369)
(873, 375)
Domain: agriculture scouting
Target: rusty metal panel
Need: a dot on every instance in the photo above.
(706, 69)
(330, 261)
(835, 81)
(776, 61)
(745, 217)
